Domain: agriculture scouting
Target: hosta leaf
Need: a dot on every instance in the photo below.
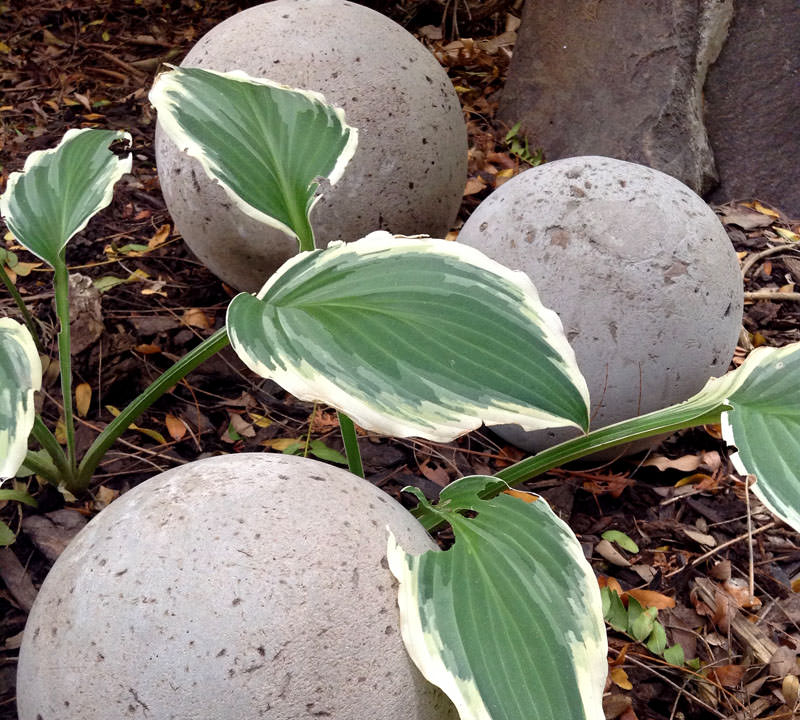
(411, 336)
(763, 424)
(61, 189)
(265, 143)
(508, 621)
(20, 377)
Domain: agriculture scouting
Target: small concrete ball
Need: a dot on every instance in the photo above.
(638, 267)
(408, 173)
(241, 586)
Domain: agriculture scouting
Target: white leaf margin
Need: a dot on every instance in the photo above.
(305, 383)
(429, 654)
(757, 358)
(40, 157)
(167, 82)
(14, 440)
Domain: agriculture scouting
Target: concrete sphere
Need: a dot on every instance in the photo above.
(408, 173)
(638, 267)
(241, 586)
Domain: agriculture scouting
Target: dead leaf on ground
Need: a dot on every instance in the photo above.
(175, 426)
(685, 463)
(729, 676)
(196, 317)
(83, 398)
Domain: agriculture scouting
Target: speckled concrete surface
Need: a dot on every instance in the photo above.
(409, 170)
(639, 268)
(242, 586)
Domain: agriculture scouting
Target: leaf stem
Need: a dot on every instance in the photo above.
(51, 446)
(691, 413)
(61, 283)
(42, 467)
(166, 381)
(23, 308)
(350, 439)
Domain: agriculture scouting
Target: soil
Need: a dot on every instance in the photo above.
(74, 63)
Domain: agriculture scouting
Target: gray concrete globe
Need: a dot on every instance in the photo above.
(639, 269)
(242, 586)
(408, 172)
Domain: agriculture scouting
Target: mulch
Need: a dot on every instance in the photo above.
(69, 63)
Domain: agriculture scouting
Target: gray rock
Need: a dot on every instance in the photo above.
(232, 587)
(639, 269)
(409, 170)
(619, 79)
(753, 104)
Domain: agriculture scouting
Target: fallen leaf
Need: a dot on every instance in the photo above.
(280, 444)
(103, 497)
(790, 689)
(685, 463)
(621, 539)
(787, 234)
(147, 349)
(608, 552)
(474, 185)
(197, 318)
(620, 678)
(435, 473)
(83, 398)
(729, 676)
(783, 662)
(241, 426)
(699, 537)
(175, 426)
(763, 209)
(651, 598)
(161, 236)
(261, 421)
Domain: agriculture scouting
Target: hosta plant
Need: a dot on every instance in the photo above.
(408, 336)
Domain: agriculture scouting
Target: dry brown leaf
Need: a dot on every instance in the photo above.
(83, 399)
(474, 185)
(196, 317)
(241, 426)
(175, 427)
(700, 537)
(783, 662)
(620, 678)
(611, 583)
(790, 689)
(608, 552)
(103, 497)
(729, 676)
(685, 463)
(147, 349)
(161, 236)
(435, 473)
(651, 598)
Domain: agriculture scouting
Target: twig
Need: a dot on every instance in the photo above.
(682, 691)
(753, 259)
(733, 541)
(771, 295)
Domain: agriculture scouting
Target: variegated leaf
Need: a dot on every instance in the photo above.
(61, 189)
(508, 622)
(20, 377)
(763, 424)
(411, 336)
(265, 143)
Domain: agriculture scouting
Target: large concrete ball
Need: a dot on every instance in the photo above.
(408, 172)
(241, 587)
(639, 269)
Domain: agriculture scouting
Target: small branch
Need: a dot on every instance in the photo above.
(753, 259)
(771, 295)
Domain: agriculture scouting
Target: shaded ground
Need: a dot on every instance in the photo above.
(68, 63)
